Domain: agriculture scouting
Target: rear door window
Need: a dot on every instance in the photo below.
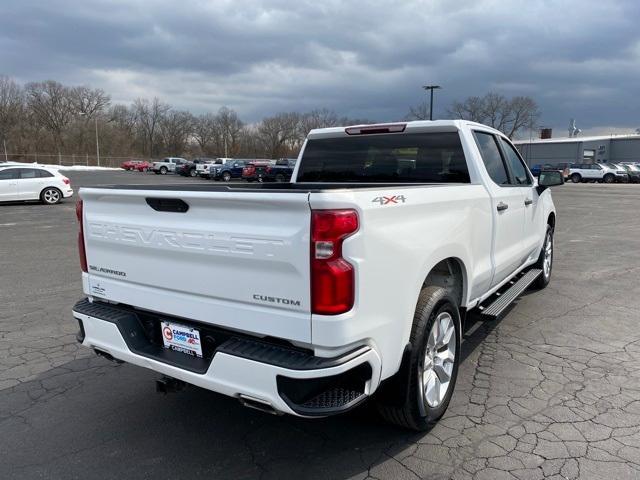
(518, 170)
(491, 157)
(394, 158)
(28, 173)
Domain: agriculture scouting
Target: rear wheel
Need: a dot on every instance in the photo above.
(576, 177)
(192, 172)
(226, 176)
(422, 394)
(51, 196)
(280, 178)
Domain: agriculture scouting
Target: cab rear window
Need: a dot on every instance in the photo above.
(395, 158)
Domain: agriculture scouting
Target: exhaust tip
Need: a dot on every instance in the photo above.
(257, 404)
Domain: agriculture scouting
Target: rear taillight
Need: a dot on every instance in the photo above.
(81, 250)
(332, 277)
(66, 181)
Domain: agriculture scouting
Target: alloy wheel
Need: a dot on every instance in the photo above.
(439, 359)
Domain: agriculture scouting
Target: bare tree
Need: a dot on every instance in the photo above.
(471, 108)
(206, 131)
(88, 101)
(11, 105)
(229, 126)
(278, 133)
(419, 112)
(176, 127)
(507, 115)
(148, 117)
(524, 115)
(52, 105)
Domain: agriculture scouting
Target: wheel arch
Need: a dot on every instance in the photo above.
(551, 220)
(449, 273)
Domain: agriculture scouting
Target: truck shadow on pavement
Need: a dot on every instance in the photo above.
(94, 419)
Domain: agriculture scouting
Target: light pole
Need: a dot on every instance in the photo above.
(97, 141)
(431, 88)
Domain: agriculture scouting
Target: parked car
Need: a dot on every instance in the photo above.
(33, 183)
(563, 168)
(167, 165)
(354, 280)
(130, 164)
(597, 172)
(143, 166)
(202, 169)
(280, 172)
(255, 170)
(633, 171)
(227, 171)
(189, 169)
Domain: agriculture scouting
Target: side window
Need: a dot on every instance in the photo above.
(519, 171)
(9, 174)
(491, 157)
(28, 173)
(44, 174)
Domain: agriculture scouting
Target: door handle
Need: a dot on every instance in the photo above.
(528, 202)
(502, 206)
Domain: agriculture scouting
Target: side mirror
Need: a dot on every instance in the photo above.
(549, 178)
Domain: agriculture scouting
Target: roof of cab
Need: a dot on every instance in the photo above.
(416, 126)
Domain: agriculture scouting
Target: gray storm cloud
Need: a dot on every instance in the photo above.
(577, 59)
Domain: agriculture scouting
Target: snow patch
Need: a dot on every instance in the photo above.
(77, 168)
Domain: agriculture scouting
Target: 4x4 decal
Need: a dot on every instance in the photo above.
(388, 200)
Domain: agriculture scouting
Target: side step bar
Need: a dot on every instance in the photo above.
(506, 297)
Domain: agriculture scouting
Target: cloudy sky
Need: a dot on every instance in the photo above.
(576, 58)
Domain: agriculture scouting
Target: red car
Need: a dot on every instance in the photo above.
(255, 170)
(129, 164)
(142, 166)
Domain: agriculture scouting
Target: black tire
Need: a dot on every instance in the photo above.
(163, 170)
(406, 405)
(145, 169)
(545, 277)
(609, 178)
(226, 176)
(51, 196)
(280, 178)
(192, 172)
(576, 177)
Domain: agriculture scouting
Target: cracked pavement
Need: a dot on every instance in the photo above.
(550, 391)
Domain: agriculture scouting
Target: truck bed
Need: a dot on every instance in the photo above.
(271, 187)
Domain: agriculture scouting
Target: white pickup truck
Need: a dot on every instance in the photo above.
(308, 297)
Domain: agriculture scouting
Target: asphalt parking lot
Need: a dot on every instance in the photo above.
(550, 391)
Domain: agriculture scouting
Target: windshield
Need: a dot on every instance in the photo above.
(397, 158)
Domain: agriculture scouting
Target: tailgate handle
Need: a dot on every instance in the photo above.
(168, 204)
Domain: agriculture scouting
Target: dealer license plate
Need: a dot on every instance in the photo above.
(181, 338)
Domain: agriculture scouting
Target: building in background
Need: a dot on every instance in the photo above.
(599, 149)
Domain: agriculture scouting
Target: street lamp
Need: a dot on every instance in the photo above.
(97, 142)
(431, 88)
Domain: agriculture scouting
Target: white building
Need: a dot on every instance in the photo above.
(601, 149)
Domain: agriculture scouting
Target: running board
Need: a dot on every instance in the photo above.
(506, 297)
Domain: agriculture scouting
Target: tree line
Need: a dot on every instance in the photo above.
(52, 118)
(49, 117)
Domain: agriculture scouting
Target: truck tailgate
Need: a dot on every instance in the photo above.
(234, 259)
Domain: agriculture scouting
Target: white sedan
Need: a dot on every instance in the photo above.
(33, 183)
